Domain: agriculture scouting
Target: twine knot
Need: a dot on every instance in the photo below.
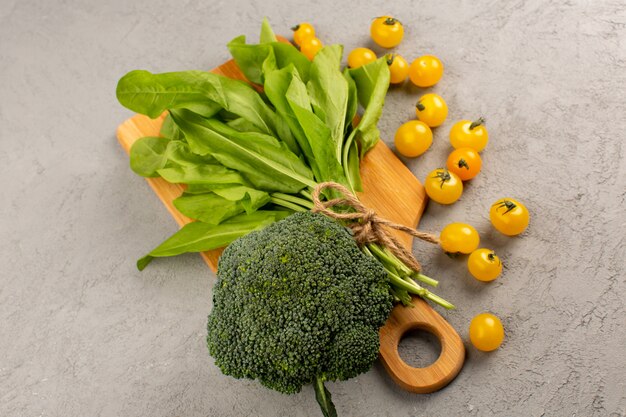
(366, 225)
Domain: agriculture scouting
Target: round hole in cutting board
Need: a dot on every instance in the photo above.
(419, 348)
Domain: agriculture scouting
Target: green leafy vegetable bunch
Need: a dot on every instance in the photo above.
(249, 154)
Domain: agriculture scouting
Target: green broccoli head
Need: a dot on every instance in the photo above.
(297, 301)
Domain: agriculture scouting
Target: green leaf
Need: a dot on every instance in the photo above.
(170, 130)
(266, 162)
(250, 198)
(151, 94)
(243, 125)
(372, 83)
(321, 142)
(204, 188)
(241, 99)
(208, 175)
(353, 101)
(209, 208)
(200, 237)
(267, 33)
(353, 168)
(222, 203)
(256, 61)
(252, 59)
(329, 90)
(278, 85)
(148, 155)
(179, 154)
(324, 399)
(287, 54)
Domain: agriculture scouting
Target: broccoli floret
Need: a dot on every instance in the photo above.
(297, 303)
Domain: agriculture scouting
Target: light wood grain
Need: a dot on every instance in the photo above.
(438, 374)
(390, 189)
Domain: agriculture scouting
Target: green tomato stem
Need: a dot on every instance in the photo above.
(390, 21)
(476, 123)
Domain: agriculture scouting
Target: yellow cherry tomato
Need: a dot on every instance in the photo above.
(413, 138)
(398, 68)
(459, 238)
(468, 134)
(302, 32)
(484, 265)
(443, 186)
(509, 216)
(431, 109)
(387, 31)
(486, 332)
(464, 162)
(310, 47)
(426, 71)
(360, 56)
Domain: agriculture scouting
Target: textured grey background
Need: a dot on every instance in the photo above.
(82, 333)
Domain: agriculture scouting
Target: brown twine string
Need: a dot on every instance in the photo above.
(366, 225)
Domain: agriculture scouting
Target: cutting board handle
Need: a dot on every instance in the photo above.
(443, 370)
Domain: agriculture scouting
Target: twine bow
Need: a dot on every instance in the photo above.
(367, 225)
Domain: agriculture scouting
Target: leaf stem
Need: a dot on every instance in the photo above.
(344, 158)
(294, 199)
(306, 194)
(286, 204)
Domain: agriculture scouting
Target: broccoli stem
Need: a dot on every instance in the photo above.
(381, 255)
(405, 269)
(294, 199)
(401, 296)
(323, 397)
(378, 254)
(414, 288)
(425, 279)
(436, 299)
(396, 298)
(286, 204)
(391, 259)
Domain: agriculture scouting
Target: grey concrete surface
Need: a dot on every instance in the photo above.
(83, 333)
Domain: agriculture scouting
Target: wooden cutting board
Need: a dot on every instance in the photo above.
(390, 189)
